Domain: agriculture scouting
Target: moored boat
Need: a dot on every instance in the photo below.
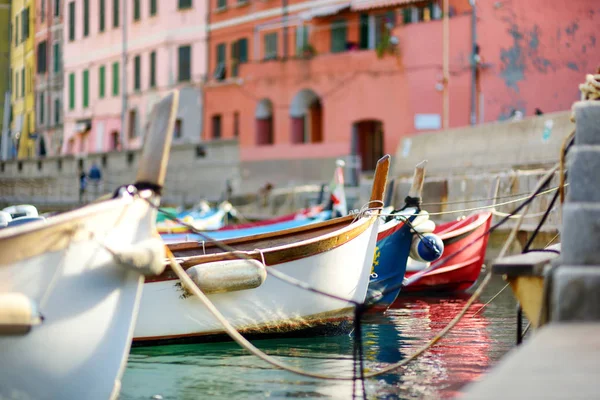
(333, 256)
(70, 285)
(461, 271)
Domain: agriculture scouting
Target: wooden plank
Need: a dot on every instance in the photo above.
(561, 361)
(527, 264)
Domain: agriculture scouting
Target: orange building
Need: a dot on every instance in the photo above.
(319, 79)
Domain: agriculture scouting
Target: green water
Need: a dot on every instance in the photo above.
(225, 371)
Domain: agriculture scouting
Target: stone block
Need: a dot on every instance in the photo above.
(587, 118)
(576, 293)
(581, 234)
(584, 174)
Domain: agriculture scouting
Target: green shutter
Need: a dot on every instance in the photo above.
(137, 14)
(153, 8)
(364, 31)
(137, 61)
(116, 13)
(86, 17)
(101, 82)
(243, 50)
(115, 77)
(56, 111)
(56, 55)
(338, 36)
(23, 82)
(153, 69)
(101, 12)
(185, 4)
(42, 108)
(185, 63)
(71, 91)
(72, 21)
(220, 53)
(86, 88)
(234, 58)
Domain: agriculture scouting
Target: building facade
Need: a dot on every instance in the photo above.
(6, 145)
(49, 76)
(22, 60)
(108, 102)
(330, 78)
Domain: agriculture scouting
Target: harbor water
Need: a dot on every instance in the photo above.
(226, 371)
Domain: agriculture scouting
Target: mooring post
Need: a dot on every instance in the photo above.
(576, 281)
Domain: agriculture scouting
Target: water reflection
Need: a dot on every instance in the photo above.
(226, 371)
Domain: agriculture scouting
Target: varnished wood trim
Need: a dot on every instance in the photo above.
(461, 233)
(280, 254)
(281, 326)
(380, 179)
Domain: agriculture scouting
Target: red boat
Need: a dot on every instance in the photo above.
(306, 212)
(461, 271)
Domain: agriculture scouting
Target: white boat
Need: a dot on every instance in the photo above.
(334, 256)
(70, 285)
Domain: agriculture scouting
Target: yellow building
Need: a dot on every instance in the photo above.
(22, 61)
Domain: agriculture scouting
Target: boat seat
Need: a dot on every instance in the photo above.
(526, 264)
(18, 314)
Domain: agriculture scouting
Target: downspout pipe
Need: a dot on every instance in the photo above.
(473, 117)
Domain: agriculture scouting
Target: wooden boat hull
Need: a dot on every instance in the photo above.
(88, 301)
(460, 272)
(275, 306)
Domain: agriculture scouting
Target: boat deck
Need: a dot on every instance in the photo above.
(560, 361)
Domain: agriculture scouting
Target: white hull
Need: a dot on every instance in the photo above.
(88, 302)
(273, 306)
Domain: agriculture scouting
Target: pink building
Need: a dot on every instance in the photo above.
(165, 49)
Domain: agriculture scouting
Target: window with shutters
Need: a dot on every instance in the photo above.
(42, 10)
(153, 69)
(338, 36)
(270, 46)
(101, 15)
(56, 111)
(86, 88)
(71, 21)
(234, 58)
(216, 126)
(301, 39)
(42, 57)
(56, 57)
(153, 7)
(102, 81)
(25, 24)
(115, 79)
(184, 4)
(116, 13)
(137, 12)
(17, 28)
(364, 31)
(220, 70)
(71, 91)
(221, 4)
(185, 61)
(137, 70)
(236, 124)
(86, 18)
(22, 82)
(57, 8)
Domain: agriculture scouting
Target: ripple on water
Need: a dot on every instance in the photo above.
(225, 371)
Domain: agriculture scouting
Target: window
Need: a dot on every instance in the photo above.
(102, 17)
(239, 55)
(137, 13)
(16, 84)
(42, 53)
(177, 129)
(270, 46)
(86, 18)
(216, 126)
(221, 4)
(41, 108)
(56, 111)
(153, 69)
(153, 8)
(137, 79)
(132, 124)
(364, 31)
(101, 81)
(43, 10)
(220, 71)
(71, 91)
(185, 54)
(116, 13)
(115, 79)
(56, 57)
(17, 30)
(25, 24)
(22, 82)
(56, 8)
(236, 124)
(185, 4)
(86, 88)
(71, 21)
(338, 36)
(301, 39)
